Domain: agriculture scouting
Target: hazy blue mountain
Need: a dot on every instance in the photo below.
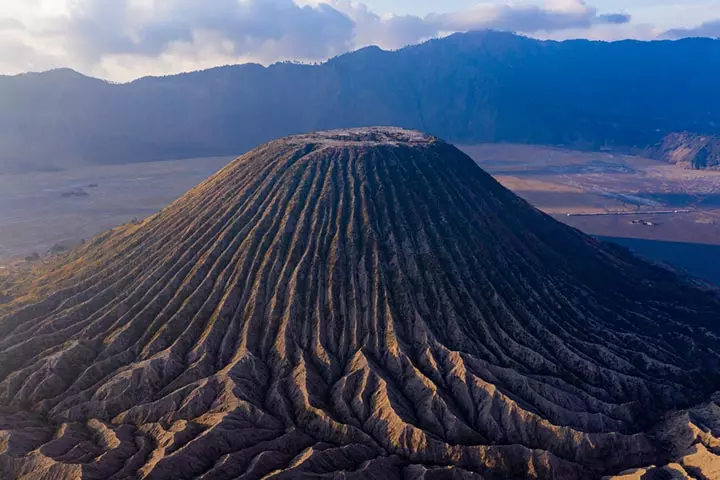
(475, 87)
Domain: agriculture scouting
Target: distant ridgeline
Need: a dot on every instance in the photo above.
(468, 88)
(689, 150)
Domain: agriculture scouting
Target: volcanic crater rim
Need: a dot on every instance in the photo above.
(365, 136)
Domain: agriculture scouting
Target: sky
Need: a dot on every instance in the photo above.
(120, 40)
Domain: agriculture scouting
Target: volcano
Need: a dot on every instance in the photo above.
(359, 303)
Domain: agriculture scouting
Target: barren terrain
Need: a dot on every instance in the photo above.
(363, 304)
(683, 205)
(39, 210)
(661, 211)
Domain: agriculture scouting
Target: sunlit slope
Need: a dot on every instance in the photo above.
(361, 301)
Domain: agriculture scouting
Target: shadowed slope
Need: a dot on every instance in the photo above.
(368, 302)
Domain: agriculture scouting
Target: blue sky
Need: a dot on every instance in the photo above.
(125, 39)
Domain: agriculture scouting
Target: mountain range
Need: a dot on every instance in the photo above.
(474, 87)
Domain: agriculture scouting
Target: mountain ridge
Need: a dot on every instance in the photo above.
(365, 303)
(479, 34)
(468, 88)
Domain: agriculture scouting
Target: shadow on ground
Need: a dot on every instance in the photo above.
(699, 260)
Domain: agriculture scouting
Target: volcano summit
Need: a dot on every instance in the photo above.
(353, 304)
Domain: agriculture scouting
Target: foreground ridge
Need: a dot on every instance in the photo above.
(365, 303)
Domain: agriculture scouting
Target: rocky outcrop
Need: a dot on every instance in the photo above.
(358, 304)
(688, 150)
(693, 438)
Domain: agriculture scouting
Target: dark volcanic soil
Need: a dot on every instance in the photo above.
(364, 303)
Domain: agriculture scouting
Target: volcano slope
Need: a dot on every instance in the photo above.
(353, 304)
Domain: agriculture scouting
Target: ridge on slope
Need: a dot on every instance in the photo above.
(363, 302)
(689, 150)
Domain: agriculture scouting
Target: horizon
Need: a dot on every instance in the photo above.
(123, 40)
(350, 52)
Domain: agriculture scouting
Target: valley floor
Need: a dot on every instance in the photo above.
(45, 209)
(660, 211)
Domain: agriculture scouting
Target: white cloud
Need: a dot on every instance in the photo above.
(97, 28)
(556, 15)
(394, 31)
(707, 29)
(124, 39)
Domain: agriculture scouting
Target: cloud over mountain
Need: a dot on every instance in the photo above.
(393, 31)
(707, 29)
(250, 27)
(124, 38)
